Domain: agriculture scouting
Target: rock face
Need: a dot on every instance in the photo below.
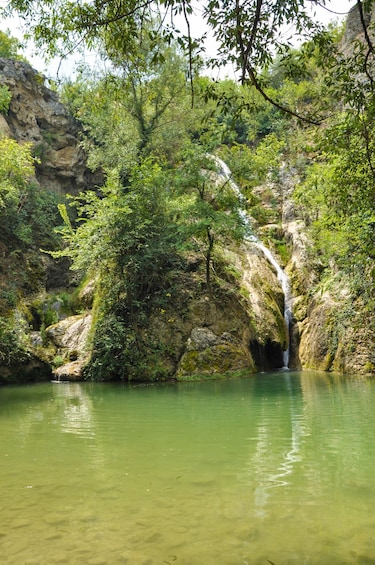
(37, 116)
(69, 336)
(236, 328)
(354, 25)
(333, 331)
(330, 331)
(30, 370)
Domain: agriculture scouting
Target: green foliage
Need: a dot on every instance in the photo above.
(253, 166)
(27, 213)
(9, 46)
(143, 107)
(119, 354)
(5, 98)
(125, 235)
(48, 309)
(30, 222)
(121, 227)
(207, 206)
(57, 361)
(338, 197)
(110, 133)
(16, 168)
(12, 346)
(247, 33)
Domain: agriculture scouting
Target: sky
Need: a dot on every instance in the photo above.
(59, 69)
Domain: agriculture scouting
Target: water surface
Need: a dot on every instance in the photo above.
(276, 468)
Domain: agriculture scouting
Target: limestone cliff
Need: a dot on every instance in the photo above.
(36, 115)
(237, 326)
(332, 332)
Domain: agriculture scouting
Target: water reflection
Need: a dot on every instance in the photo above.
(73, 409)
(224, 472)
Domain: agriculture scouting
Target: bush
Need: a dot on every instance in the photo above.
(5, 98)
(11, 346)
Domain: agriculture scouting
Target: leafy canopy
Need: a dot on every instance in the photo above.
(248, 33)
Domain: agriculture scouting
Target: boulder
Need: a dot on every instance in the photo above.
(71, 333)
(72, 371)
(69, 336)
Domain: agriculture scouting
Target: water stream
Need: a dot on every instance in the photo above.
(282, 277)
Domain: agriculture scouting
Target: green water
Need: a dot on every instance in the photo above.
(273, 468)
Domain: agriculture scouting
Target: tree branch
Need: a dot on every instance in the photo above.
(190, 53)
(370, 45)
(255, 83)
(253, 34)
(119, 16)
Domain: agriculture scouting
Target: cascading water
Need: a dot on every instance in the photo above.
(285, 285)
(281, 275)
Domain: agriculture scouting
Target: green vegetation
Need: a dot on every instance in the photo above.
(13, 342)
(151, 123)
(16, 168)
(5, 98)
(28, 216)
(9, 46)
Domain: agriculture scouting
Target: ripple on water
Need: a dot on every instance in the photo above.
(192, 473)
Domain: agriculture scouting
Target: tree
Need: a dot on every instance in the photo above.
(208, 205)
(248, 33)
(16, 168)
(28, 213)
(125, 238)
(150, 85)
(9, 46)
(141, 107)
(338, 197)
(110, 134)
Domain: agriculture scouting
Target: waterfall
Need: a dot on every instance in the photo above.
(282, 277)
(285, 285)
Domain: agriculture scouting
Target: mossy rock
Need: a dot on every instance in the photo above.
(32, 370)
(219, 359)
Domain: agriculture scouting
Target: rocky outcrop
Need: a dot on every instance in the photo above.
(37, 116)
(330, 332)
(207, 353)
(236, 327)
(69, 337)
(30, 369)
(71, 333)
(354, 26)
(335, 336)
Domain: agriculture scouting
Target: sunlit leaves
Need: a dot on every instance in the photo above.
(338, 196)
(16, 168)
(5, 98)
(209, 215)
(9, 46)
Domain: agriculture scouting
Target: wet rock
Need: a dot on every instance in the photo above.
(29, 369)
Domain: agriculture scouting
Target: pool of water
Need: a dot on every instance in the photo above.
(276, 468)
